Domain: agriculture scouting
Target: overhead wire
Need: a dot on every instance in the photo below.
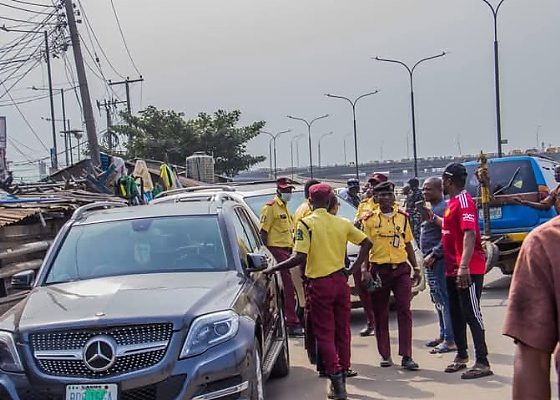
(91, 32)
(123, 38)
(30, 3)
(24, 9)
(26, 121)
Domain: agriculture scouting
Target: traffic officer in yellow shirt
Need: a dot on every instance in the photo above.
(320, 243)
(367, 205)
(276, 231)
(389, 230)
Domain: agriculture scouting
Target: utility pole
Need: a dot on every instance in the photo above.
(82, 80)
(108, 105)
(54, 155)
(127, 83)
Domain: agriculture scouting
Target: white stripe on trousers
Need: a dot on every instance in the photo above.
(476, 306)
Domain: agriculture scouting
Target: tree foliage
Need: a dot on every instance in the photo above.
(160, 134)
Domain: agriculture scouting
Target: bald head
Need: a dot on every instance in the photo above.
(433, 190)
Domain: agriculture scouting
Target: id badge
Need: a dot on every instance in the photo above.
(396, 241)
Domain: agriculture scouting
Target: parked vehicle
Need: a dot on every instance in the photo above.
(255, 197)
(528, 177)
(158, 302)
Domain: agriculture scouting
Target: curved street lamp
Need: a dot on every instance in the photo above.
(309, 124)
(353, 104)
(497, 76)
(275, 136)
(411, 75)
(319, 145)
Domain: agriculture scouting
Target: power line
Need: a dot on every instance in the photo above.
(123, 38)
(31, 3)
(24, 101)
(89, 28)
(24, 9)
(19, 151)
(25, 119)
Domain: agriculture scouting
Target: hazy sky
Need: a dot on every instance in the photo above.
(272, 58)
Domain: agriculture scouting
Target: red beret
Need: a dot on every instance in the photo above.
(320, 192)
(377, 178)
(284, 183)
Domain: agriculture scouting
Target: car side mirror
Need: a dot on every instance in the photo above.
(23, 280)
(257, 262)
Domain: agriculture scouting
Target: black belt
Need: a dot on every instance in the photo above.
(390, 267)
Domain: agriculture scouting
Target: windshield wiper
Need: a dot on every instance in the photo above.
(510, 183)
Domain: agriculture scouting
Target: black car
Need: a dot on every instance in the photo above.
(151, 302)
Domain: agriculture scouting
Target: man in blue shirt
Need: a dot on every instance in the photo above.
(350, 193)
(430, 243)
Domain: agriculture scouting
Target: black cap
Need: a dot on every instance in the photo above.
(386, 186)
(455, 170)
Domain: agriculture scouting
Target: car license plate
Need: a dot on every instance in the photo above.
(91, 392)
(495, 213)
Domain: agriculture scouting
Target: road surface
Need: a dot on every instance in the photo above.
(430, 382)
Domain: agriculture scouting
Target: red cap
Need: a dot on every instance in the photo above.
(377, 178)
(320, 192)
(284, 183)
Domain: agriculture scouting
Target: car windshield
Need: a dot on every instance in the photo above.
(256, 203)
(140, 246)
(518, 174)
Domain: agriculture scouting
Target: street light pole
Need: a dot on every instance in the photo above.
(497, 75)
(269, 151)
(294, 139)
(319, 145)
(412, 107)
(309, 124)
(353, 104)
(275, 136)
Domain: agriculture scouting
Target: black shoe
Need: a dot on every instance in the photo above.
(409, 364)
(350, 373)
(296, 331)
(367, 331)
(338, 387)
(386, 363)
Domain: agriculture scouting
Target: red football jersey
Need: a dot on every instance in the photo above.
(461, 215)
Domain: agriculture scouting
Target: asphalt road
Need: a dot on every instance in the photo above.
(430, 382)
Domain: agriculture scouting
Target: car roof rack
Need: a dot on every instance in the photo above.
(99, 205)
(194, 189)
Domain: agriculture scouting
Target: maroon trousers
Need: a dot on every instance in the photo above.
(365, 297)
(329, 307)
(282, 254)
(399, 282)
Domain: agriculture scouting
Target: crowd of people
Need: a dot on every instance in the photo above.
(310, 247)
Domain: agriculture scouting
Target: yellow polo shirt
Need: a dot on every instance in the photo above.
(324, 241)
(276, 220)
(383, 230)
(302, 211)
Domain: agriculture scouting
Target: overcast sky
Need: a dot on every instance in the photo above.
(272, 58)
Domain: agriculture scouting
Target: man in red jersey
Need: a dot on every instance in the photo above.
(465, 268)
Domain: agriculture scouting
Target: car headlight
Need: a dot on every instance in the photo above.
(9, 357)
(208, 331)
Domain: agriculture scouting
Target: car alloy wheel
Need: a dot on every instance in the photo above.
(257, 392)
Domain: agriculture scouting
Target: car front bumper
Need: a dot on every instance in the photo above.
(223, 370)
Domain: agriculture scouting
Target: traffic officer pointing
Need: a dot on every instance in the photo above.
(276, 231)
(389, 230)
(320, 241)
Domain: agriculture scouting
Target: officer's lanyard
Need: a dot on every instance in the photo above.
(394, 226)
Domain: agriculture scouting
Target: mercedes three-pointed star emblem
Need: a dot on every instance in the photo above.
(100, 353)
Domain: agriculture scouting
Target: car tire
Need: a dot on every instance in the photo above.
(257, 383)
(281, 366)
